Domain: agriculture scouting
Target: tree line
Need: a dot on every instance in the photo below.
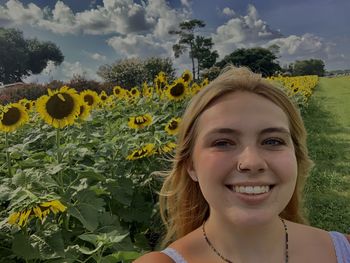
(20, 57)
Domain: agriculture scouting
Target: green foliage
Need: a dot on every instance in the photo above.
(132, 72)
(21, 57)
(259, 60)
(308, 67)
(327, 191)
(111, 202)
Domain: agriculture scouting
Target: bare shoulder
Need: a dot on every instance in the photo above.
(311, 243)
(154, 257)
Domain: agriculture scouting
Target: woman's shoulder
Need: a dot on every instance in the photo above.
(154, 256)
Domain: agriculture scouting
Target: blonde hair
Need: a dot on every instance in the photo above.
(182, 205)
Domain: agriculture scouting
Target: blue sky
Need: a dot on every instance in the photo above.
(91, 33)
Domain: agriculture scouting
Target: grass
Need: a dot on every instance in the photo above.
(327, 193)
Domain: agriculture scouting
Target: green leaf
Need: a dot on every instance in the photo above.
(121, 256)
(121, 189)
(54, 169)
(87, 251)
(22, 247)
(87, 216)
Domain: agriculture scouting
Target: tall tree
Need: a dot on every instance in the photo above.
(258, 59)
(21, 57)
(199, 47)
(308, 67)
(206, 58)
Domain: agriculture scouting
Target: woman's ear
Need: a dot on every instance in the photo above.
(191, 171)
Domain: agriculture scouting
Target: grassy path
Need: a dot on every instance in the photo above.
(327, 120)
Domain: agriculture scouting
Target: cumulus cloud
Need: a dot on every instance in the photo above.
(228, 11)
(303, 47)
(139, 46)
(97, 56)
(64, 72)
(114, 16)
(243, 31)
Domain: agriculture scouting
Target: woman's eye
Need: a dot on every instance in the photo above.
(274, 141)
(222, 143)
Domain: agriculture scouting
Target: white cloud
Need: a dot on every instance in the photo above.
(243, 31)
(186, 3)
(228, 11)
(64, 72)
(97, 57)
(139, 46)
(114, 16)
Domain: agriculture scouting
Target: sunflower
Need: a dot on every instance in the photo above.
(60, 108)
(160, 82)
(147, 91)
(103, 96)
(134, 93)
(55, 206)
(13, 116)
(172, 127)
(91, 97)
(119, 92)
(84, 111)
(204, 83)
(144, 151)
(28, 104)
(195, 88)
(139, 122)
(187, 76)
(177, 91)
(40, 211)
(168, 147)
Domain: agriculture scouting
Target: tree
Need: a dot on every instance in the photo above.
(132, 72)
(259, 60)
(308, 67)
(202, 52)
(198, 47)
(21, 57)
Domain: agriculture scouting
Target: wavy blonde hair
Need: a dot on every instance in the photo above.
(182, 205)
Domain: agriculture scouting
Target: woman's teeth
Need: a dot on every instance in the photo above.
(253, 190)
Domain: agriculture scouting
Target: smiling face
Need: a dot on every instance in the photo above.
(247, 130)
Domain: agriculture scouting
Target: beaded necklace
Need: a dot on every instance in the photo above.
(229, 261)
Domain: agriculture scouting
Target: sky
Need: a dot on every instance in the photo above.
(91, 33)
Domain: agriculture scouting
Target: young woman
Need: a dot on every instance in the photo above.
(233, 194)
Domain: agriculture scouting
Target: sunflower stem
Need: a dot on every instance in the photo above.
(8, 157)
(58, 143)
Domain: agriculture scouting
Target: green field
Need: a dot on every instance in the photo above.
(327, 120)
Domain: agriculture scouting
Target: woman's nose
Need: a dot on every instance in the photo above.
(251, 160)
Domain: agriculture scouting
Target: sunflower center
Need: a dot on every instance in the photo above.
(177, 90)
(27, 105)
(103, 97)
(186, 77)
(140, 120)
(140, 153)
(89, 99)
(82, 110)
(59, 109)
(11, 117)
(173, 125)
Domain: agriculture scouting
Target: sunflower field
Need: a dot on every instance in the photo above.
(76, 174)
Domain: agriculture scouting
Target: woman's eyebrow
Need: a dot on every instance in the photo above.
(237, 132)
(223, 131)
(275, 129)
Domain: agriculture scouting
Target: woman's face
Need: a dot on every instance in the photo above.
(247, 130)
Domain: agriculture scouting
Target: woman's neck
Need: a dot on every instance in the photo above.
(249, 241)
